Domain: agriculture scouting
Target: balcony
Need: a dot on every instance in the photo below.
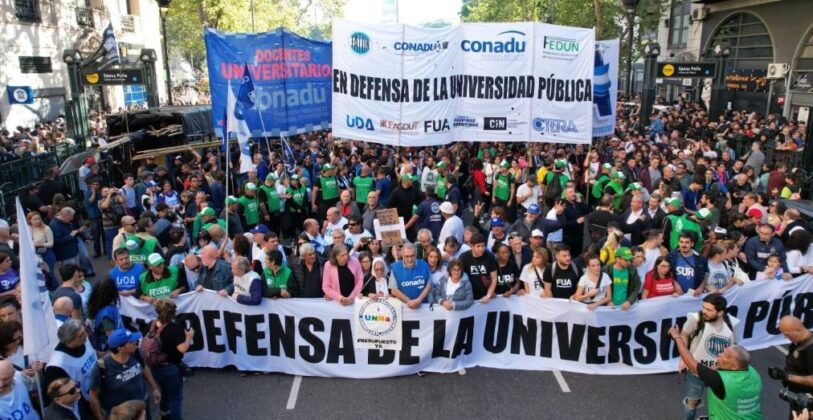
(84, 17)
(27, 10)
(128, 23)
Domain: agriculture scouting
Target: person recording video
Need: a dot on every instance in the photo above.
(797, 376)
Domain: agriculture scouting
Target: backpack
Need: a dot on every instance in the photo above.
(701, 325)
(554, 189)
(116, 212)
(151, 346)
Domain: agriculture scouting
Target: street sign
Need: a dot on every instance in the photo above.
(20, 94)
(683, 70)
(115, 77)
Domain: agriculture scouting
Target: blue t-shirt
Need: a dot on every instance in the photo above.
(684, 272)
(384, 185)
(9, 280)
(411, 281)
(126, 280)
(429, 216)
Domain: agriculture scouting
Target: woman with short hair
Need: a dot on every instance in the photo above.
(342, 279)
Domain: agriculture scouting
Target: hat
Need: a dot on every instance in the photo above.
(505, 164)
(703, 213)
(250, 186)
(271, 177)
(231, 200)
(533, 208)
(260, 229)
(327, 167)
(675, 202)
(178, 157)
(155, 259)
(560, 164)
(294, 177)
(754, 213)
(122, 336)
(446, 207)
(635, 186)
(607, 166)
(131, 244)
(537, 232)
(151, 184)
(91, 160)
(720, 232)
(619, 175)
(497, 222)
(208, 212)
(624, 253)
(442, 165)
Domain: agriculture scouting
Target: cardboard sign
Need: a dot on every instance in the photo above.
(387, 217)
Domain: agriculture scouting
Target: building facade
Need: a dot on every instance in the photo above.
(36, 32)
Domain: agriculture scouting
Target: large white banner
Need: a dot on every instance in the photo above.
(401, 85)
(315, 337)
(605, 87)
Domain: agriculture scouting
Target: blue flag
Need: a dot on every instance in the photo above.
(287, 156)
(245, 95)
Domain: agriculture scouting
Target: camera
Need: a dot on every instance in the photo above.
(796, 399)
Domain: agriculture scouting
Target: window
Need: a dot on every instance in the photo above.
(27, 10)
(35, 64)
(679, 24)
(750, 42)
(134, 95)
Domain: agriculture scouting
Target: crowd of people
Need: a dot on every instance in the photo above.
(662, 208)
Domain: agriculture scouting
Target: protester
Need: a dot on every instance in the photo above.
(175, 341)
(70, 358)
(342, 278)
(14, 399)
(64, 395)
(410, 278)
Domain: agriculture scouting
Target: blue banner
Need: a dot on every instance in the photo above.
(291, 77)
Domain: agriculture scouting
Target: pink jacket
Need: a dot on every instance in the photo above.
(330, 280)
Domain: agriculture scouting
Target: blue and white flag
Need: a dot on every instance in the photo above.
(109, 48)
(287, 155)
(236, 124)
(39, 323)
(605, 91)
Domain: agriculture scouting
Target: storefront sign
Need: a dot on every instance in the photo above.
(746, 80)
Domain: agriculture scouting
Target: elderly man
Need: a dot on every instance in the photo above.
(215, 274)
(64, 394)
(452, 226)
(760, 247)
(307, 274)
(14, 400)
(248, 286)
(66, 244)
(334, 221)
(311, 230)
(409, 278)
(370, 211)
(63, 310)
(128, 229)
(73, 358)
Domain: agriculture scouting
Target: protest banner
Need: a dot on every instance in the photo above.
(291, 76)
(316, 338)
(406, 86)
(378, 323)
(605, 87)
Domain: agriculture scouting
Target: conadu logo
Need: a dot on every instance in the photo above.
(507, 43)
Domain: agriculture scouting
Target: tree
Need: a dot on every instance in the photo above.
(187, 18)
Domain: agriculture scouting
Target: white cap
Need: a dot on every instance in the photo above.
(446, 207)
(537, 232)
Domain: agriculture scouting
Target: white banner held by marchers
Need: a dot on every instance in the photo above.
(406, 86)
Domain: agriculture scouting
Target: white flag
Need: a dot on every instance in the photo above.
(236, 123)
(39, 323)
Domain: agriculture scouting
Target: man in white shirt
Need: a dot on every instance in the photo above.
(14, 400)
(355, 231)
(528, 193)
(452, 226)
(333, 221)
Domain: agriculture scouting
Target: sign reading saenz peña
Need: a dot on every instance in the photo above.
(683, 70)
(115, 77)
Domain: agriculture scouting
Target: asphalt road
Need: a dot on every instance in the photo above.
(481, 393)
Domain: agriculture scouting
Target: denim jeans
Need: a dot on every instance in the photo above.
(170, 380)
(694, 391)
(109, 234)
(97, 235)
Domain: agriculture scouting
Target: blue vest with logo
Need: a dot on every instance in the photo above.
(411, 281)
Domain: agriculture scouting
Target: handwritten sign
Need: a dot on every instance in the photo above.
(387, 216)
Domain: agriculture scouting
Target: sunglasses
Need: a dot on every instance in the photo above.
(352, 224)
(71, 391)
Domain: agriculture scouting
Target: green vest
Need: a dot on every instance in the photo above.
(683, 223)
(272, 201)
(743, 389)
(598, 187)
(196, 227)
(618, 190)
(503, 186)
(251, 209)
(563, 179)
(363, 185)
(297, 195)
(139, 256)
(280, 280)
(329, 188)
(440, 187)
(159, 289)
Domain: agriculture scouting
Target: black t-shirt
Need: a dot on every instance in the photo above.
(172, 335)
(347, 281)
(507, 276)
(802, 365)
(563, 281)
(479, 270)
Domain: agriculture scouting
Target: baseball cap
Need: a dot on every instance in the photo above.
(446, 207)
(624, 253)
(231, 200)
(533, 208)
(327, 167)
(537, 232)
(619, 175)
(91, 160)
(442, 165)
(151, 184)
(497, 222)
(271, 177)
(703, 213)
(676, 202)
(260, 229)
(754, 213)
(560, 164)
(634, 187)
(607, 166)
(294, 177)
(131, 244)
(122, 336)
(178, 157)
(208, 211)
(505, 164)
(251, 186)
(155, 259)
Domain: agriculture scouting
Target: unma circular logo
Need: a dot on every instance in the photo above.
(360, 43)
(378, 317)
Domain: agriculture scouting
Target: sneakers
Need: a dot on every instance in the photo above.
(461, 372)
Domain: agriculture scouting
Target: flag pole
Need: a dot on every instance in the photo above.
(228, 156)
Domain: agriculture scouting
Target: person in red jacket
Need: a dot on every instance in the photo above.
(660, 281)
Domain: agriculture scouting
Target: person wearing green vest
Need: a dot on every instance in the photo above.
(504, 187)
(250, 205)
(615, 188)
(271, 202)
(558, 167)
(440, 181)
(275, 275)
(204, 219)
(160, 281)
(603, 178)
(734, 387)
(325, 192)
(297, 196)
(140, 248)
(362, 185)
(676, 221)
(626, 282)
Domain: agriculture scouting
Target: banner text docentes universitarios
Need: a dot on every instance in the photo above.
(316, 338)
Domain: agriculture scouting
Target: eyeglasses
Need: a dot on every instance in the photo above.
(352, 224)
(71, 391)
